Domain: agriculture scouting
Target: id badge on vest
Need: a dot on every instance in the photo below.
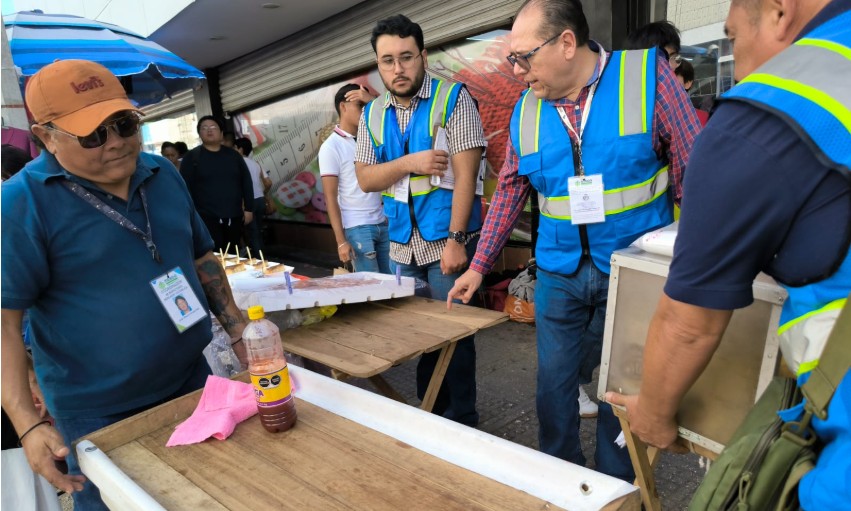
(586, 199)
(178, 299)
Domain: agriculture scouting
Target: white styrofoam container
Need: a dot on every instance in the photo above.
(272, 293)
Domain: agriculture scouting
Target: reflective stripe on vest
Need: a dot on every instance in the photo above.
(616, 201)
(437, 117)
(375, 123)
(802, 339)
(632, 118)
(633, 100)
(816, 70)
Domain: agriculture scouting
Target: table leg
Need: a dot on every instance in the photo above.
(437, 376)
(643, 459)
(385, 388)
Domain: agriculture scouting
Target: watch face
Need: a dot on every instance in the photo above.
(458, 237)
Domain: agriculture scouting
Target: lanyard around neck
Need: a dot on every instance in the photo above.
(587, 110)
(577, 147)
(117, 217)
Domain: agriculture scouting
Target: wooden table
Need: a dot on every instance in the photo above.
(365, 339)
(350, 449)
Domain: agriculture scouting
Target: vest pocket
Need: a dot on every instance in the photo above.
(390, 205)
(530, 164)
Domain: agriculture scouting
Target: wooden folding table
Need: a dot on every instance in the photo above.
(365, 339)
(349, 450)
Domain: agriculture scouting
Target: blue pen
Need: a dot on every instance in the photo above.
(289, 282)
(398, 275)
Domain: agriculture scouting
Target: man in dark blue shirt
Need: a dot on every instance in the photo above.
(760, 194)
(98, 240)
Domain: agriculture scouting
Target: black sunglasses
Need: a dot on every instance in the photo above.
(124, 126)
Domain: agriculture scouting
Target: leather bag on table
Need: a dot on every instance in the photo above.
(762, 465)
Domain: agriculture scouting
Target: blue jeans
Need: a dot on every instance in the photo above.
(73, 429)
(565, 309)
(371, 245)
(456, 399)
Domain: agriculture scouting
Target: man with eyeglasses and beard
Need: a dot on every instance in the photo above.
(97, 240)
(603, 138)
(407, 139)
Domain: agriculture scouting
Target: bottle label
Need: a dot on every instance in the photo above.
(272, 389)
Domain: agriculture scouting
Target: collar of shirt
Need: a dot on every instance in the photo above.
(343, 133)
(423, 93)
(595, 76)
(830, 11)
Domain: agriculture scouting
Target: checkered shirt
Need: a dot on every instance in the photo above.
(463, 132)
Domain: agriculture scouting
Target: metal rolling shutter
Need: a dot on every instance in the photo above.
(340, 45)
(180, 102)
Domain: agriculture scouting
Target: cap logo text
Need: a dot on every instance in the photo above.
(92, 83)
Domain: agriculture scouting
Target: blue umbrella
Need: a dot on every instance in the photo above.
(148, 71)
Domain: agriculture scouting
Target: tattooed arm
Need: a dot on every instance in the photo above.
(218, 293)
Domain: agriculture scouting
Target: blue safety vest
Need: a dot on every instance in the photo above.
(617, 143)
(432, 205)
(808, 85)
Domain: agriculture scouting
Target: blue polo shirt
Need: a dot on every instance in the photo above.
(102, 342)
(756, 198)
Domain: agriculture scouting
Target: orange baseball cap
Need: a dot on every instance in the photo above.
(75, 95)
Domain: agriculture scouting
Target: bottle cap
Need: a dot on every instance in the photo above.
(256, 312)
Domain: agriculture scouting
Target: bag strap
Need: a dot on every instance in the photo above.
(832, 366)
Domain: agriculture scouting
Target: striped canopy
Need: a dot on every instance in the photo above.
(148, 71)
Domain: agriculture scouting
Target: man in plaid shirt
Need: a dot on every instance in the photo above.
(433, 226)
(604, 177)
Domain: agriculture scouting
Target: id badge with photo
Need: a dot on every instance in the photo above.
(178, 299)
(586, 199)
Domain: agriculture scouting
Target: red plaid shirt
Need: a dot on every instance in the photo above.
(675, 125)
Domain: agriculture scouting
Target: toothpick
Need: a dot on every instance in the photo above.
(263, 260)
(227, 249)
(248, 251)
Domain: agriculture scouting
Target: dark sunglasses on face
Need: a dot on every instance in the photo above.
(125, 127)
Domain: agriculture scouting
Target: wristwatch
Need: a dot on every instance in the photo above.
(459, 237)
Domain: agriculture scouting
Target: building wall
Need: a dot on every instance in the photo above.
(689, 14)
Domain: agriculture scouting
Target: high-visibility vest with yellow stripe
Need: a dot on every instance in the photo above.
(432, 205)
(616, 143)
(808, 85)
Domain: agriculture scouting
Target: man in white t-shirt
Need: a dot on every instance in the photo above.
(261, 182)
(357, 217)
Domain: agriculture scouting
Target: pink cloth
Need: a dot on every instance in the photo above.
(224, 404)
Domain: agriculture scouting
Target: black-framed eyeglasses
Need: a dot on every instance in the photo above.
(126, 126)
(406, 61)
(523, 60)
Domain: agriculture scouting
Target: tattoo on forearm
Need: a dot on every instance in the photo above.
(214, 281)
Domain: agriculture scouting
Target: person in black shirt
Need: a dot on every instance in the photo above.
(220, 185)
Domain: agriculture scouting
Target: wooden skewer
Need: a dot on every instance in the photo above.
(248, 251)
(263, 260)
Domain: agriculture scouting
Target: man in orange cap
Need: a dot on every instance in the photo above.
(98, 239)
